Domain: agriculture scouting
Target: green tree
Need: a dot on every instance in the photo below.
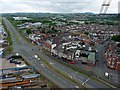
(116, 38)
(118, 45)
(28, 31)
(87, 33)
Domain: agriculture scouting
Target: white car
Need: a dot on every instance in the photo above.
(36, 56)
(17, 54)
(76, 87)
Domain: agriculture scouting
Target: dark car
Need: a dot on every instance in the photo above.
(84, 62)
(16, 62)
(11, 61)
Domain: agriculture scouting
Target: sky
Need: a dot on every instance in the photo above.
(55, 6)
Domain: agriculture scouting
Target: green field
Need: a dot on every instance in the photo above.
(0, 19)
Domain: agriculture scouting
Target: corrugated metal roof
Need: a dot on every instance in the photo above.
(31, 76)
(91, 57)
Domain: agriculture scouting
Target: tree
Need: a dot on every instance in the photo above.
(118, 45)
(28, 31)
(87, 33)
(116, 38)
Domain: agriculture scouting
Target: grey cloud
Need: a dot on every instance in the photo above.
(51, 5)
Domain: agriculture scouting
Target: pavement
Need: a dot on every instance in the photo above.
(28, 51)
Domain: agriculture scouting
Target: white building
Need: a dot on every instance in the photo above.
(37, 24)
(20, 18)
(1, 52)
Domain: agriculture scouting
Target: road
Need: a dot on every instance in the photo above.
(71, 73)
(25, 49)
(101, 67)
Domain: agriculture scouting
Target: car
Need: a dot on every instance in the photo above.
(38, 58)
(84, 62)
(11, 61)
(76, 87)
(17, 54)
(97, 60)
(17, 62)
(13, 40)
(35, 56)
(72, 62)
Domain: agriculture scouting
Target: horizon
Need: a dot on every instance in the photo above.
(58, 6)
(54, 13)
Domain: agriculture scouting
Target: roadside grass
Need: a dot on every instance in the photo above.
(77, 69)
(0, 19)
(65, 76)
(17, 39)
(15, 23)
(50, 83)
(23, 36)
(73, 68)
(8, 49)
(40, 58)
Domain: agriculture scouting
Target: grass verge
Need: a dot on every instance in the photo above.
(76, 69)
(50, 84)
(8, 49)
(65, 76)
(15, 23)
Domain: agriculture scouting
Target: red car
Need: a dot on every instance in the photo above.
(72, 62)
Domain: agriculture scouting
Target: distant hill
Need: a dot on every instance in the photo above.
(88, 13)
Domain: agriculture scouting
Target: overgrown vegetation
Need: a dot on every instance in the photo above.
(8, 49)
(116, 38)
(65, 76)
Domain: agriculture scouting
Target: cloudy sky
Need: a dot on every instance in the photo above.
(55, 6)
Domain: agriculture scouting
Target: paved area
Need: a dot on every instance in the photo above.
(6, 64)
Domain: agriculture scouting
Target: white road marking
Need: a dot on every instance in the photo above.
(85, 81)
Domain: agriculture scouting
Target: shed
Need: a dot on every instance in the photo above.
(31, 76)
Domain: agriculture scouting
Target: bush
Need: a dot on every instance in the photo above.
(28, 31)
(118, 45)
(116, 38)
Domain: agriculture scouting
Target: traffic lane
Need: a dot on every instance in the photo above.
(70, 85)
(97, 84)
(49, 73)
(79, 78)
(13, 30)
(13, 33)
(102, 66)
(100, 56)
(70, 71)
(66, 71)
(71, 74)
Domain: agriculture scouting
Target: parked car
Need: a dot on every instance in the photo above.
(72, 62)
(17, 62)
(11, 61)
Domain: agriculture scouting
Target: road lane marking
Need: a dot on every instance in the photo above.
(86, 81)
